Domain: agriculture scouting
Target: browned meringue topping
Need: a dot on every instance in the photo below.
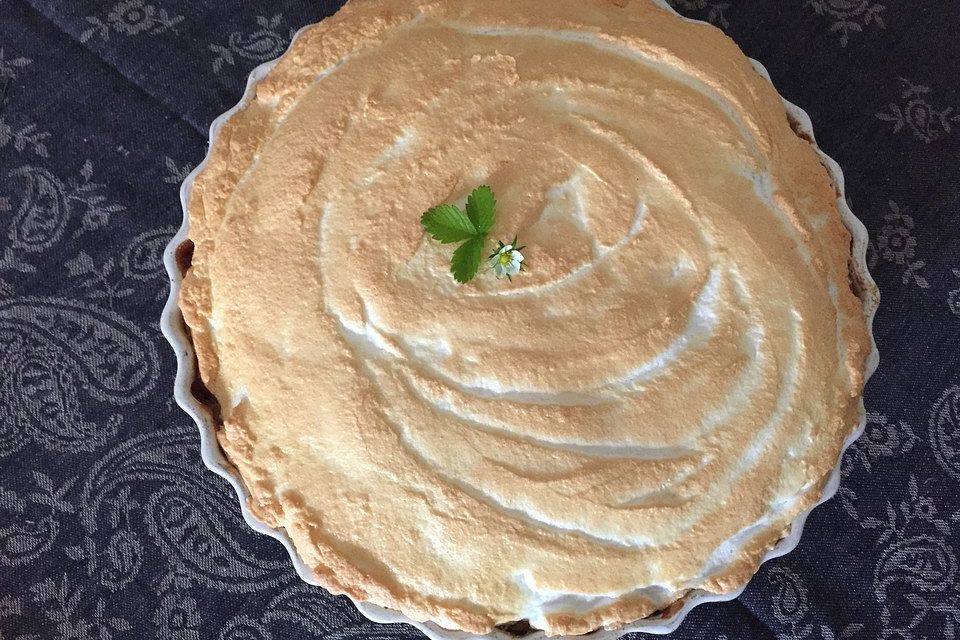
(641, 413)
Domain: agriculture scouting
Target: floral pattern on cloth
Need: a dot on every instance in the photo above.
(130, 17)
(264, 42)
(913, 111)
(112, 529)
(849, 16)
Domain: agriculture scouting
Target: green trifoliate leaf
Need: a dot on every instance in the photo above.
(448, 224)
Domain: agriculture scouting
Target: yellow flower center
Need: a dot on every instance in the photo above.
(505, 258)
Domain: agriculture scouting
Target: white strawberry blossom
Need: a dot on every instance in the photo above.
(506, 261)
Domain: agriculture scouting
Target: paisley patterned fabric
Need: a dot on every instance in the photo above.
(111, 528)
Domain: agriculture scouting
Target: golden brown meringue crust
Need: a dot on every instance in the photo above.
(644, 412)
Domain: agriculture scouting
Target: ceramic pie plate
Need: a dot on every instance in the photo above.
(189, 395)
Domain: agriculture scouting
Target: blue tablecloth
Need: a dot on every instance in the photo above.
(110, 527)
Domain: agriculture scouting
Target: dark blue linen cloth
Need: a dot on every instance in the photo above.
(110, 526)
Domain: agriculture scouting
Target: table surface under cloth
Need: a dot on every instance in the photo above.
(110, 526)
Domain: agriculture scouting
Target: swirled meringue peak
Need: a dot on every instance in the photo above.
(643, 412)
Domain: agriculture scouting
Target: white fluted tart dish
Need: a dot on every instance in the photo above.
(631, 425)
